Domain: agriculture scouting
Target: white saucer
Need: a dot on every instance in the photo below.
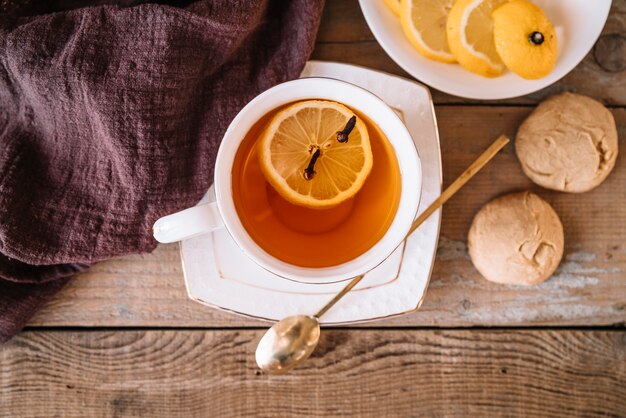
(578, 24)
(219, 275)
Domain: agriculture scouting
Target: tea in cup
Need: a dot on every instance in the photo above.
(282, 159)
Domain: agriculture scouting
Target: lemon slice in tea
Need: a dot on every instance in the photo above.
(308, 161)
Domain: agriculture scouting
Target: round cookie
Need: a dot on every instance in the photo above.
(516, 239)
(568, 143)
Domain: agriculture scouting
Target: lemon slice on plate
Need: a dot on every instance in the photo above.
(470, 35)
(306, 159)
(394, 6)
(424, 24)
(525, 39)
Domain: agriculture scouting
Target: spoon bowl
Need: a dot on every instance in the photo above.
(292, 340)
(288, 343)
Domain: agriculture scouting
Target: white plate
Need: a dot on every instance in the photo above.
(578, 24)
(219, 275)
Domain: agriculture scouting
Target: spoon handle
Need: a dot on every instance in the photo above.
(339, 295)
(469, 172)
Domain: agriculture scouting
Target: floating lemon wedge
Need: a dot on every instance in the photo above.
(424, 24)
(525, 39)
(470, 35)
(316, 153)
(394, 5)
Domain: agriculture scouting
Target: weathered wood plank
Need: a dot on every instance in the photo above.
(361, 373)
(345, 37)
(589, 289)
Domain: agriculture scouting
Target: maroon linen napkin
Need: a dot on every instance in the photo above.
(111, 116)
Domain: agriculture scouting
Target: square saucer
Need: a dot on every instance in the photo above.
(218, 274)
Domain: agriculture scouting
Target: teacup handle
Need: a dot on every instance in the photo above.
(187, 223)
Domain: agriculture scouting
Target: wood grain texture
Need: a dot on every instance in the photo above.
(365, 372)
(345, 37)
(588, 289)
(356, 373)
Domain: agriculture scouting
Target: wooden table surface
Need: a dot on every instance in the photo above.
(124, 340)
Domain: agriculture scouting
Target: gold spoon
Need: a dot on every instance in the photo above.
(291, 340)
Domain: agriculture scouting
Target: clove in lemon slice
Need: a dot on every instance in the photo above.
(307, 162)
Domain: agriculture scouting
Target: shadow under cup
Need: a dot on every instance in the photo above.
(315, 238)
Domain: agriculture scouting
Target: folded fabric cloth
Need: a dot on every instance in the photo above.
(111, 116)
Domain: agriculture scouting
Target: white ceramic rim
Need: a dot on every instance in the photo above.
(359, 99)
(521, 87)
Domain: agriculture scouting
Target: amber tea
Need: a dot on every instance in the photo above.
(309, 237)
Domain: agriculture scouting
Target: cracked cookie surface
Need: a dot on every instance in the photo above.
(516, 239)
(568, 143)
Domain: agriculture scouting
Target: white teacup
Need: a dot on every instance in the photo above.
(205, 218)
